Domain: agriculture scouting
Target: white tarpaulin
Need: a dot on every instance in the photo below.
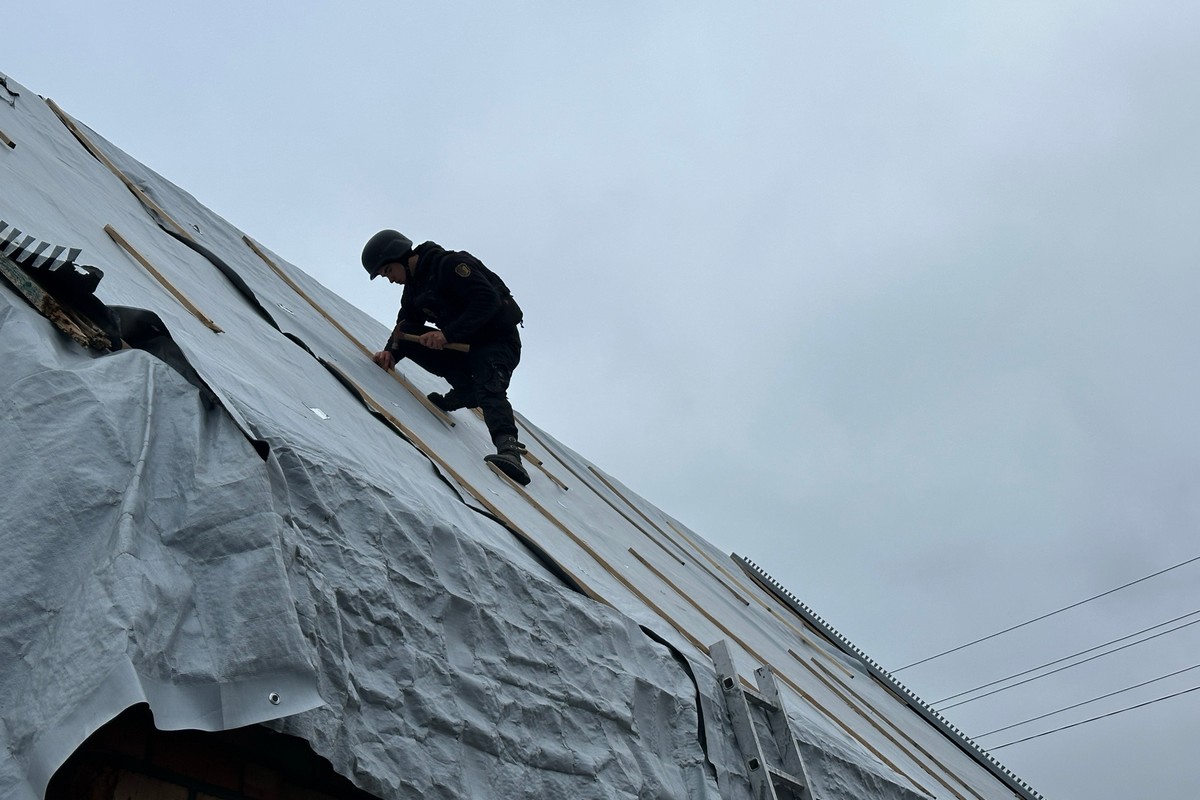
(241, 519)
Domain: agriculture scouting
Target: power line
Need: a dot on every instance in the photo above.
(1068, 666)
(1085, 702)
(1093, 719)
(1044, 616)
(1066, 658)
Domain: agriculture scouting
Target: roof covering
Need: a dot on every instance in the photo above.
(240, 519)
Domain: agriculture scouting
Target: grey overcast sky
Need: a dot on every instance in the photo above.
(897, 299)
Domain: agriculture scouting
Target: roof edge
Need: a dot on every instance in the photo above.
(917, 704)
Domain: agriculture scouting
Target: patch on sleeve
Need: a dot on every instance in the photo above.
(463, 271)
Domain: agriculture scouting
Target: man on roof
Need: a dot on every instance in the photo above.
(470, 305)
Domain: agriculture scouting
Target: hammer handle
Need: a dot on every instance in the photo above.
(462, 348)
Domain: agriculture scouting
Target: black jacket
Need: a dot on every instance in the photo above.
(464, 298)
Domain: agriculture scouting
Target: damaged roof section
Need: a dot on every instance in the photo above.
(52, 282)
(358, 577)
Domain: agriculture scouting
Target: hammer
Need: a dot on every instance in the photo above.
(462, 348)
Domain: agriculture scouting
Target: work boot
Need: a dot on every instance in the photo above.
(451, 400)
(508, 459)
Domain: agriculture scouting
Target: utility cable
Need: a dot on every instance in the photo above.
(1064, 658)
(1085, 702)
(1068, 666)
(1044, 616)
(1093, 719)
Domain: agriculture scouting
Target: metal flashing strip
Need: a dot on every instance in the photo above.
(162, 279)
(886, 678)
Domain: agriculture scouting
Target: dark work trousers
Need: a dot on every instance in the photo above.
(479, 379)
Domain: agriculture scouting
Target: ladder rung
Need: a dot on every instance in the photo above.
(754, 696)
(786, 778)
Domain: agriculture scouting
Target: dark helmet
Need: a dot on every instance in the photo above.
(385, 247)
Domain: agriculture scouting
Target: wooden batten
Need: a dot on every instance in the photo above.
(295, 287)
(162, 279)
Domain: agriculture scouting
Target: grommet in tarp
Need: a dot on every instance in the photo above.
(274, 698)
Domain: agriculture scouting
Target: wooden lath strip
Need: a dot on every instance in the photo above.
(432, 455)
(778, 674)
(142, 197)
(701, 551)
(599, 559)
(693, 545)
(730, 589)
(7, 141)
(766, 606)
(537, 462)
(713, 575)
(180, 296)
(886, 720)
(612, 505)
(532, 459)
(631, 521)
(283, 276)
(662, 577)
(637, 511)
(728, 575)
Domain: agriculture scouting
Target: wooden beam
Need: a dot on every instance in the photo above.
(178, 295)
(7, 141)
(79, 328)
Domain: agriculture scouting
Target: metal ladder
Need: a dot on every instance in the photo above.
(789, 782)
